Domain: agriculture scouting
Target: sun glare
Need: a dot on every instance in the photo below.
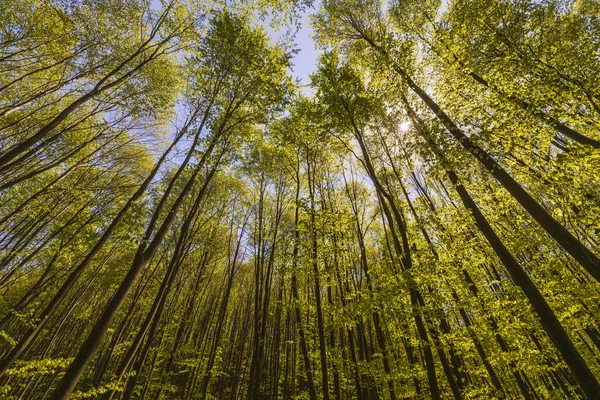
(405, 126)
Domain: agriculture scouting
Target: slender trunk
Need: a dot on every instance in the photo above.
(294, 287)
(548, 319)
(43, 318)
(317, 283)
(586, 258)
(403, 253)
(75, 369)
(100, 87)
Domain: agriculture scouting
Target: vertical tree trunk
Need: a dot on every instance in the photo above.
(315, 266)
(548, 319)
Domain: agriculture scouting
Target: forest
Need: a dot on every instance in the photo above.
(182, 218)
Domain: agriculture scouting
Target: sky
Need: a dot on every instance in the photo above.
(305, 61)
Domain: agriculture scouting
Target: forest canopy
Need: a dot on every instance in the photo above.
(181, 218)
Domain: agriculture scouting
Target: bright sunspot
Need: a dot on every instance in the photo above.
(405, 126)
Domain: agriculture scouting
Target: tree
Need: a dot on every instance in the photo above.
(178, 221)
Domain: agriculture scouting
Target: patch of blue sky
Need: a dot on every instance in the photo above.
(306, 54)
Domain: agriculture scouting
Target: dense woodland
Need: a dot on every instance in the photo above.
(181, 219)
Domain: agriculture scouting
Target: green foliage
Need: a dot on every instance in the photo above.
(161, 176)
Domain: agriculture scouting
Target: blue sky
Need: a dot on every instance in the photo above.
(306, 60)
